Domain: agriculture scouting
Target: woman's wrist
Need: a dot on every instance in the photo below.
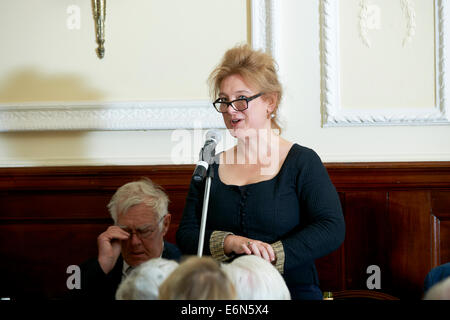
(228, 244)
(217, 243)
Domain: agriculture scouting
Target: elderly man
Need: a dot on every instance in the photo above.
(141, 219)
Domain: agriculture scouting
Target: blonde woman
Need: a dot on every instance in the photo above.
(270, 197)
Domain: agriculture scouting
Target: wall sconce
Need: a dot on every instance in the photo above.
(99, 18)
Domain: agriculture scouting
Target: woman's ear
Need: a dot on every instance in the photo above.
(271, 99)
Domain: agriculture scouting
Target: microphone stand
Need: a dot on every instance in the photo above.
(201, 237)
(207, 154)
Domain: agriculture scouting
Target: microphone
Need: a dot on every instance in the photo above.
(207, 154)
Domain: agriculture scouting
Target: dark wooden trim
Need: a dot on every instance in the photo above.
(92, 177)
(362, 294)
(343, 175)
(58, 220)
(391, 175)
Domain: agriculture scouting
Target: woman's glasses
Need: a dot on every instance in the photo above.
(239, 104)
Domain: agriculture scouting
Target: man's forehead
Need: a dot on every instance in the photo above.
(139, 213)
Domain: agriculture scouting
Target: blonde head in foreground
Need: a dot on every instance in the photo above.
(197, 279)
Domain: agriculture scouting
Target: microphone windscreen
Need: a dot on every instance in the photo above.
(213, 135)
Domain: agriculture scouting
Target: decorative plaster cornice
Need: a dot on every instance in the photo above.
(332, 112)
(130, 115)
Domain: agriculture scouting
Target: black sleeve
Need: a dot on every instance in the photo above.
(95, 284)
(189, 229)
(323, 227)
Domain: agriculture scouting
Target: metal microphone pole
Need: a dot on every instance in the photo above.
(201, 237)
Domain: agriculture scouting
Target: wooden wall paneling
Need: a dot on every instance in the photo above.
(366, 237)
(410, 247)
(440, 202)
(54, 204)
(50, 219)
(435, 241)
(176, 205)
(331, 268)
(397, 217)
(35, 261)
(330, 271)
(444, 241)
(390, 175)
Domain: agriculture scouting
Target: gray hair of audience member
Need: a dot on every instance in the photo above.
(440, 291)
(256, 279)
(144, 281)
(137, 192)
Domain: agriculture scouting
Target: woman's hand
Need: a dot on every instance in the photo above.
(241, 245)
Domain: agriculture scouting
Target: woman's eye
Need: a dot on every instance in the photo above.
(242, 97)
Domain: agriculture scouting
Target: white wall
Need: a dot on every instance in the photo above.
(300, 74)
(154, 50)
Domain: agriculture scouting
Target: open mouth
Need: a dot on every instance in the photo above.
(235, 121)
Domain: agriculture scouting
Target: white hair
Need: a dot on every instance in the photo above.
(256, 279)
(439, 291)
(143, 283)
(137, 192)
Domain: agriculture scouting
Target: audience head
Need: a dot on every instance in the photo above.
(140, 208)
(143, 283)
(197, 279)
(440, 291)
(256, 279)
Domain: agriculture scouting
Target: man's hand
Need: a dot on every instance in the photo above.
(109, 247)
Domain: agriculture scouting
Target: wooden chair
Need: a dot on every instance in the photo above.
(362, 295)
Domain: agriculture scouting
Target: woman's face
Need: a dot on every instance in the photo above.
(256, 117)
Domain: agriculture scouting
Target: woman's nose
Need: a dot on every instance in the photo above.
(230, 109)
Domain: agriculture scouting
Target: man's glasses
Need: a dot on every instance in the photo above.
(239, 104)
(144, 231)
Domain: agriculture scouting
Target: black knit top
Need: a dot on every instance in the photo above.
(299, 207)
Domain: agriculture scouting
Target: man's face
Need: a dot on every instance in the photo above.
(146, 234)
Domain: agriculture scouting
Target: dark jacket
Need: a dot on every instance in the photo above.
(95, 284)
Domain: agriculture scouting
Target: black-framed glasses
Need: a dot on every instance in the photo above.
(239, 104)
